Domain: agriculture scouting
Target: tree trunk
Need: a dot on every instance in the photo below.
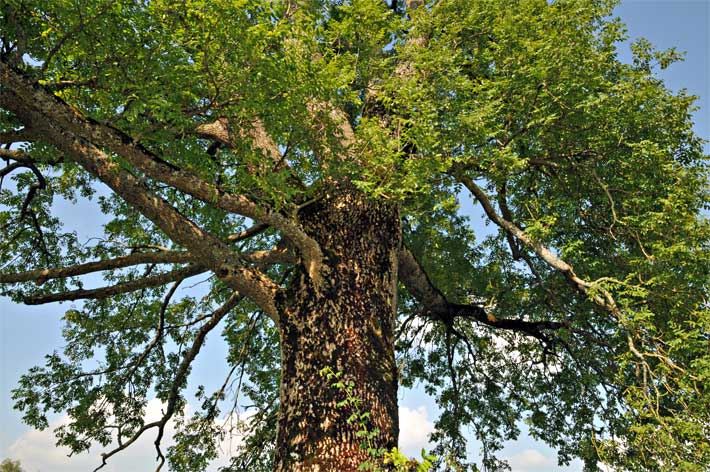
(346, 325)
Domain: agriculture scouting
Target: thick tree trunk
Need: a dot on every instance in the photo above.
(346, 324)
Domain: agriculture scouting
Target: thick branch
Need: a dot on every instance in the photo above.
(221, 132)
(541, 250)
(42, 275)
(437, 306)
(418, 283)
(48, 107)
(112, 290)
(211, 251)
(279, 255)
(9, 137)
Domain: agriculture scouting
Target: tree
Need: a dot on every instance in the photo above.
(306, 158)
(8, 465)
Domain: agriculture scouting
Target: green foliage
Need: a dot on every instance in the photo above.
(402, 463)
(8, 465)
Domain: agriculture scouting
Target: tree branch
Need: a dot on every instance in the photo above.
(221, 132)
(606, 301)
(10, 167)
(88, 133)
(66, 84)
(41, 111)
(278, 255)
(9, 137)
(437, 306)
(40, 276)
(177, 384)
(121, 288)
(248, 233)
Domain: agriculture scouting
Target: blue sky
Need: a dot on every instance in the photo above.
(28, 333)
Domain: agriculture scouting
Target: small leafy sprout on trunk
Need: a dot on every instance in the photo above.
(394, 459)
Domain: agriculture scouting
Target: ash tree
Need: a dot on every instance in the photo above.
(305, 161)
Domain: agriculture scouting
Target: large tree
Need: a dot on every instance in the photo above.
(306, 159)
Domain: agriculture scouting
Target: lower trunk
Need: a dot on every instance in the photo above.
(344, 325)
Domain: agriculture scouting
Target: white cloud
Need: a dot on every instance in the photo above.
(531, 460)
(37, 452)
(414, 430)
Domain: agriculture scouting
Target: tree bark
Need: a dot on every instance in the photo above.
(347, 325)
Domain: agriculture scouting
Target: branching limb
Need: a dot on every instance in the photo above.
(178, 382)
(211, 251)
(278, 255)
(82, 137)
(40, 276)
(22, 160)
(437, 306)
(605, 300)
(112, 290)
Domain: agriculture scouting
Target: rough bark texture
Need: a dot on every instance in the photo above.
(345, 324)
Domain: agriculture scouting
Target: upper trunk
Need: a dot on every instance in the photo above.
(345, 324)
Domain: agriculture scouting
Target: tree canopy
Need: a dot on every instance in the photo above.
(8, 465)
(202, 129)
